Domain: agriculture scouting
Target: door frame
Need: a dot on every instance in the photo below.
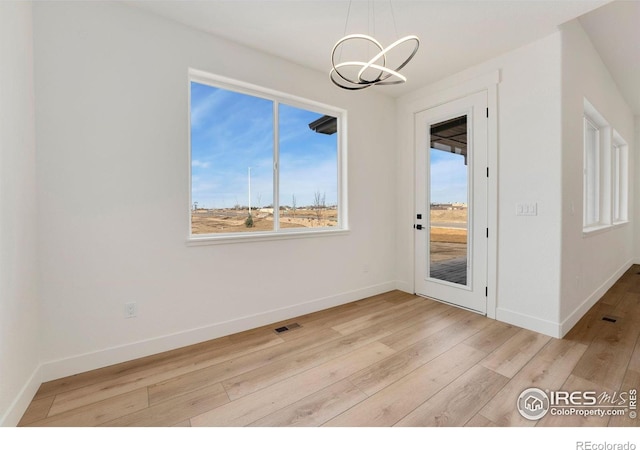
(436, 95)
(471, 295)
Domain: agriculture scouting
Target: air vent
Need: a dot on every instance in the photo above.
(289, 327)
(609, 319)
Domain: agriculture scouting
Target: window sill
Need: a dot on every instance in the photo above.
(620, 224)
(195, 241)
(599, 229)
(594, 230)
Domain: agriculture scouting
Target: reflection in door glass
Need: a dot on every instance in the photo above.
(448, 197)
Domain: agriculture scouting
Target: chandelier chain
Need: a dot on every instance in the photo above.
(393, 17)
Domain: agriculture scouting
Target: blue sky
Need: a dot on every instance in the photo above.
(448, 177)
(231, 132)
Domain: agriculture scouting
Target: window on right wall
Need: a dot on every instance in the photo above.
(605, 173)
(591, 174)
(620, 178)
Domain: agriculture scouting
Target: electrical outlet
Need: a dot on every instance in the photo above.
(365, 268)
(130, 310)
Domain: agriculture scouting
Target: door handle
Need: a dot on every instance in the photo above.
(418, 227)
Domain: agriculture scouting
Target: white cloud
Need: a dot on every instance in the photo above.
(200, 164)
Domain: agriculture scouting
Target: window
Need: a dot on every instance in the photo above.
(591, 174)
(620, 155)
(606, 173)
(263, 163)
(597, 175)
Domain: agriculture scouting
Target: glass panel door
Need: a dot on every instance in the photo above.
(451, 191)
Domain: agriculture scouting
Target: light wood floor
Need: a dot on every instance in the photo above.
(392, 359)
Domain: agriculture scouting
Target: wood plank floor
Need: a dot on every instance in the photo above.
(390, 360)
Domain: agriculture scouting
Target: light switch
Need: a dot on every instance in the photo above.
(526, 209)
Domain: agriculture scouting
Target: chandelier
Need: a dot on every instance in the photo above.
(359, 74)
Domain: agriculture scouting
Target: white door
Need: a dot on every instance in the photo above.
(451, 202)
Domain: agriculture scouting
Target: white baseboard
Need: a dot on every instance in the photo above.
(582, 309)
(529, 322)
(20, 404)
(405, 287)
(52, 370)
(558, 330)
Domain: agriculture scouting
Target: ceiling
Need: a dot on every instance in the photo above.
(614, 30)
(454, 35)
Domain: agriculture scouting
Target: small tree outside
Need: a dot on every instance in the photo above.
(249, 221)
(319, 204)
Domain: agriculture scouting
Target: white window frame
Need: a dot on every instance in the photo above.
(342, 227)
(591, 176)
(602, 163)
(620, 179)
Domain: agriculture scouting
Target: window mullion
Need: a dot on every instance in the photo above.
(276, 166)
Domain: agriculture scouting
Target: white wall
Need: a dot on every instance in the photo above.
(528, 170)
(111, 89)
(19, 314)
(591, 264)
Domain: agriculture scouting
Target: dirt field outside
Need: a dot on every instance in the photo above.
(210, 221)
(449, 216)
(449, 226)
(449, 240)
